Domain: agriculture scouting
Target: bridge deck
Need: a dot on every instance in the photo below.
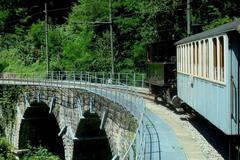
(160, 140)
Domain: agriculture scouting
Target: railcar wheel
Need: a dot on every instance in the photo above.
(185, 107)
(159, 97)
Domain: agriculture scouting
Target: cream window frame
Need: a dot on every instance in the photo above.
(204, 59)
(207, 57)
(200, 59)
(218, 59)
(188, 62)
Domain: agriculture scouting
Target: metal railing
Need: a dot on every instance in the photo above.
(128, 79)
(104, 85)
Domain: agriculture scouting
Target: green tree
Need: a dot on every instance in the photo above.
(218, 22)
(81, 44)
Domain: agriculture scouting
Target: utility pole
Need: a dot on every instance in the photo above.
(111, 34)
(188, 18)
(46, 37)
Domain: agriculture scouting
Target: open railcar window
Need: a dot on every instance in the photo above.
(187, 58)
(221, 59)
(197, 59)
(207, 58)
(202, 56)
(190, 58)
(194, 61)
(181, 58)
(215, 72)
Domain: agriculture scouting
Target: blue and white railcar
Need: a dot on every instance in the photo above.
(208, 75)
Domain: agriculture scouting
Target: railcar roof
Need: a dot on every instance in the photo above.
(235, 25)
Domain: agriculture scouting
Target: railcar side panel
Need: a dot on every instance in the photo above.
(207, 98)
(208, 76)
(234, 81)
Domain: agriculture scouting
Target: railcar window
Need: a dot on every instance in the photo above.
(194, 58)
(221, 59)
(181, 54)
(190, 58)
(215, 72)
(177, 58)
(202, 59)
(187, 58)
(184, 57)
(197, 59)
(207, 58)
(181, 58)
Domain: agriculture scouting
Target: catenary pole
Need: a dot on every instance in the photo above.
(188, 18)
(46, 37)
(111, 35)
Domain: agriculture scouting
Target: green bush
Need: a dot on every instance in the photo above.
(39, 153)
(5, 150)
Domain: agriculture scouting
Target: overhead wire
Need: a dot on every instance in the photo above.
(17, 20)
(37, 13)
(58, 9)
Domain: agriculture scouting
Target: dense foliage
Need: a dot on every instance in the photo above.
(5, 150)
(76, 42)
(7, 116)
(39, 153)
(8, 96)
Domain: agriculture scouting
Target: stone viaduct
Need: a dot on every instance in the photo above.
(70, 107)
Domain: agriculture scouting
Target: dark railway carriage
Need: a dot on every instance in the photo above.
(161, 63)
(208, 75)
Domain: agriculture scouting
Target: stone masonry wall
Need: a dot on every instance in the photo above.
(119, 125)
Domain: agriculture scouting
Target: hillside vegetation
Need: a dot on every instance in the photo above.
(77, 44)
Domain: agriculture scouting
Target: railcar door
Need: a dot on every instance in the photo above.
(235, 81)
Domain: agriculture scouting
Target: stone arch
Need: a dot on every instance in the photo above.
(120, 125)
(91, 142)
(38, 127)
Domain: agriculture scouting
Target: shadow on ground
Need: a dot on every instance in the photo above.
(213, 135)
